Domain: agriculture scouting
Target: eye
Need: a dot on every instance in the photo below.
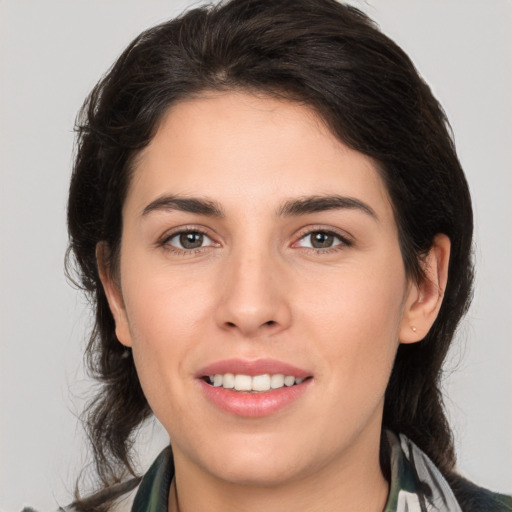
(321, 240)
(189, 240)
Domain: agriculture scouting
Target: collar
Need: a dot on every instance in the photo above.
(416, 484)
(153, 493)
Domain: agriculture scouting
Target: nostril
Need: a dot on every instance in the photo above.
(248, 327)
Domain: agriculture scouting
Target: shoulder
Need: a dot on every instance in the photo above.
(414, 477)
(119, 495)
(476, 499)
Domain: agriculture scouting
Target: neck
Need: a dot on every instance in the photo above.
(354, 484)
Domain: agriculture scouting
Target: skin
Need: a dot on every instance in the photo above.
(257, 289)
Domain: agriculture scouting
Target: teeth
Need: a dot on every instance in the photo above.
(289, 380)
(228, 381)
(242, 382)
(264, 382)
(277, 381)
(261, 383)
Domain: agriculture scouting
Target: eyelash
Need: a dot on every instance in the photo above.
(165, 243)
(343, 241)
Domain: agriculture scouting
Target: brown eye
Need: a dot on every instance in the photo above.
(320, 240)
(189, 240)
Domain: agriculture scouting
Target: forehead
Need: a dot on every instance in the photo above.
(243, 147)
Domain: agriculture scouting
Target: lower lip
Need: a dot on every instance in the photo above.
(254, 405)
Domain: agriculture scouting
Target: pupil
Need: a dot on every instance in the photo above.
(321, 240)
(191, 240)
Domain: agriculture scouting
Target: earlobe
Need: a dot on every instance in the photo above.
(424, 299)
(113, 293)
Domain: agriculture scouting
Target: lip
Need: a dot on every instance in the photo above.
(253, 405)
(252, 368)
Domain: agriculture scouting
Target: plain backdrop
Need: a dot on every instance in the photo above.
(51, 54)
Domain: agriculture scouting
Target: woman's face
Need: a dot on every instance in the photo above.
(256, 244)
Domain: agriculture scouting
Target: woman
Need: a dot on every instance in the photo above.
(269, 213)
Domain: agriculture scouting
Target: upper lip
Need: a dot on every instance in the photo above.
(252, 368)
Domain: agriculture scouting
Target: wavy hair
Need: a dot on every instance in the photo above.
(321, 53)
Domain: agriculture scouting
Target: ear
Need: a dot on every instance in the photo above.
(112, 289)
(424, 299)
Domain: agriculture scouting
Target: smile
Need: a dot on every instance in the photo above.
(256, 383)
(253, 388)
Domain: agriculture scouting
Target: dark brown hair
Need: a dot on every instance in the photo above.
(332, 58)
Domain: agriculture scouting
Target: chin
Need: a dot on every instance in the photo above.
(252, 461)
(265, 472)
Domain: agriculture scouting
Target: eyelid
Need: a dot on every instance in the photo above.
(174, 232)
(345, 238)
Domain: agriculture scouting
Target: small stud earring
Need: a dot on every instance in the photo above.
(413, 328)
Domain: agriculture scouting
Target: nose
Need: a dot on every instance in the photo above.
(254, 296)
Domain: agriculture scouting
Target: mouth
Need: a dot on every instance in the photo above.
(253, 389)
(253, 384)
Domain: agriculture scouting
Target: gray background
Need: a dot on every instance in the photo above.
(51, 53)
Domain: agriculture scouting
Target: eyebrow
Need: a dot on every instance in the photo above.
(184, 204)
(313, 204)
(295, 207)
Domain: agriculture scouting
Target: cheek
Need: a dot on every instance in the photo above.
(355, 321)
(166, 315)
(360, 300)
(163, 305)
